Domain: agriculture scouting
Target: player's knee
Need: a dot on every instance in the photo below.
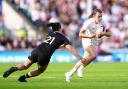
(42, 69)
(21, 67)
(39, 72)
(93, 56)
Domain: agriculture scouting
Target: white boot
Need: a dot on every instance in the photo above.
(67, 76)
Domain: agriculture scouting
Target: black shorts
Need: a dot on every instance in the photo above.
(41, 56)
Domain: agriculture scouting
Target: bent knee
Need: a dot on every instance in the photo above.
(42, 69)
(93, 56)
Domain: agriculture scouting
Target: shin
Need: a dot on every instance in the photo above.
(25, 65)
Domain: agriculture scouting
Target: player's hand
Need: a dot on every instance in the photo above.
(92, 36)
(99, 35)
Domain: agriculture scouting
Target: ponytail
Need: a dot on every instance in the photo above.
(91, 15)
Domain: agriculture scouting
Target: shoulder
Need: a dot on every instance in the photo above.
(88, 21)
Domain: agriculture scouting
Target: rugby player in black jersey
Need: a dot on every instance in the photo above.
(42, 53)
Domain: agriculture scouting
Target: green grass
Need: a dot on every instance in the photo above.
(96, 76)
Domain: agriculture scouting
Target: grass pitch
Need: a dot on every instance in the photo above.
(96, 76)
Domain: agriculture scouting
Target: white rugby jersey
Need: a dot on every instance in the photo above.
(91, 27)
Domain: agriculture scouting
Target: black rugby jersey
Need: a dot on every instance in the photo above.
(53, 41)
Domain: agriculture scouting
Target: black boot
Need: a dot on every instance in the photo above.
(22, 78)
(8, 72)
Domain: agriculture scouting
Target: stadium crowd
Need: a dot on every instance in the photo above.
(72, 14)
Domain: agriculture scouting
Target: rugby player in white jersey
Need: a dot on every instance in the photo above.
(90, 32)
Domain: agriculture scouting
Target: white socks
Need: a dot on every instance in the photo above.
(81, 68)
(80, 71)
(71, 72)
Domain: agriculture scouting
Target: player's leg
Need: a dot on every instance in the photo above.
(23, 66)
(42, 61)
(91, 54)
(81, 67)
(89, 57)
(69, 74)
(33, 73)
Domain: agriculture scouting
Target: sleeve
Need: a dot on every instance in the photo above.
(86, 24)
(66, 41)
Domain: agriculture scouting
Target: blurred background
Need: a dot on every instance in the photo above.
(23, 27)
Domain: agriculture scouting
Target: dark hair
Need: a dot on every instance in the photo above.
(55, 26)
(94, 12)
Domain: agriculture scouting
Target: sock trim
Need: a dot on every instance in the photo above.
(27, 76)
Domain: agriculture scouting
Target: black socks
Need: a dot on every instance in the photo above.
(27, 76)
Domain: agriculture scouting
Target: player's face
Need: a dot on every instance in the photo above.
(98, 17)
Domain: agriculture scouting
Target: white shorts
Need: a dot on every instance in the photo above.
(86, 43)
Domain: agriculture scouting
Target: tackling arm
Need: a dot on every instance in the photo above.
(73, 51)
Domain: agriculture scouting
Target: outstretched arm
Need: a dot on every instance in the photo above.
(73, 51)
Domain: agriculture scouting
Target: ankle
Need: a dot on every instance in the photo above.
(15, 68)
(27, 75)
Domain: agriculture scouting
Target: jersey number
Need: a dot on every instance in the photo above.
(49, 40)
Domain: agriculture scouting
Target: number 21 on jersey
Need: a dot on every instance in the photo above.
(49, 40)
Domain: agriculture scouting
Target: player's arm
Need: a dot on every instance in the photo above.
(73, 51)
(106, 32)
(61, 47)
(84, 29)
(83, 35)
